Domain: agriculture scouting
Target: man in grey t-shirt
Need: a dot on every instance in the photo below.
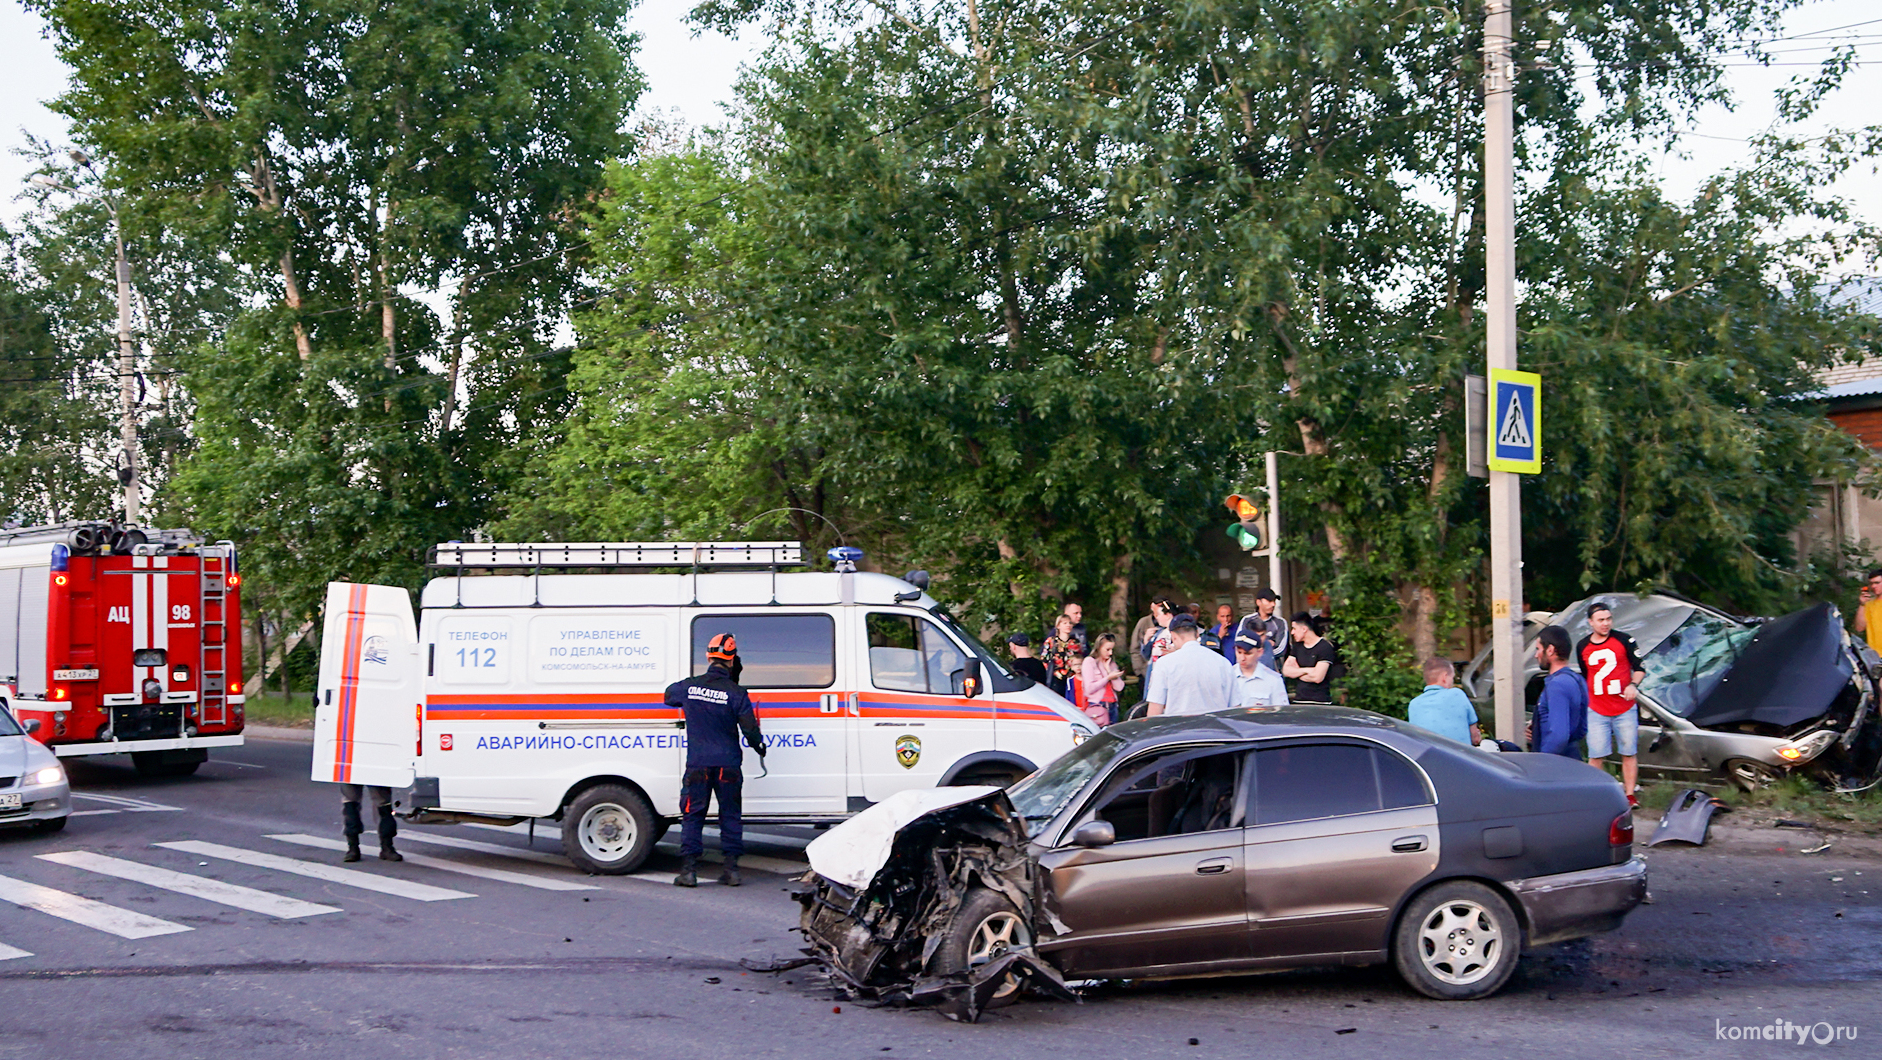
(1189, 679)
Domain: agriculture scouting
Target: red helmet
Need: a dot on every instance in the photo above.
(724, 646)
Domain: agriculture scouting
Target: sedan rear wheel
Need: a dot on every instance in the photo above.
(1457, 942)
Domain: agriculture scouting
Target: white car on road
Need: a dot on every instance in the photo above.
(33, 788)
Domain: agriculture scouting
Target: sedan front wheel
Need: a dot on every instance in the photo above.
(1457, 942)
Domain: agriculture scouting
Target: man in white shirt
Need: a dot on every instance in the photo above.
(1256, 685)
(1190, 679)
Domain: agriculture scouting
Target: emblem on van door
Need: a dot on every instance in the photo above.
(375, 651)
(908, 750)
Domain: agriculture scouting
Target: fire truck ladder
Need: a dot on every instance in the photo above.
(215, 634)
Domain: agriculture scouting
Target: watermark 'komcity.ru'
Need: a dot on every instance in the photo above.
(1819, 1033)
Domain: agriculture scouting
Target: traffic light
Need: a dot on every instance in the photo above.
(1246, 531)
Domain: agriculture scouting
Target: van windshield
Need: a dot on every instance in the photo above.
(1001, 678)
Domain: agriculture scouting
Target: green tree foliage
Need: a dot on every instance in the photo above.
(894, 307)
(391, 181)
(51, 395)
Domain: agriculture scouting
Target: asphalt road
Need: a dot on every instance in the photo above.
(475, 966)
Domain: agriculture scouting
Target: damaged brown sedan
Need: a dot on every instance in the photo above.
(1236, 842)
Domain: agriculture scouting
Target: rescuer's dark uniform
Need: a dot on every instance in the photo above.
(716, 710)
(350, 796)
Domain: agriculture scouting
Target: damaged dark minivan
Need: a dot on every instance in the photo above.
(1748, 701)
(1244, 841)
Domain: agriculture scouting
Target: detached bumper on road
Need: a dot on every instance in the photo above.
(1573, 904)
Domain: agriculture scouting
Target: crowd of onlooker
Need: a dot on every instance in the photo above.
(1183, 666)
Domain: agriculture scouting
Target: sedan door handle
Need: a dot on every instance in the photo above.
(1213, 867)
(1408, 844)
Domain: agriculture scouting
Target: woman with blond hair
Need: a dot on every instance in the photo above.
(1103, 680)
(1061, 655)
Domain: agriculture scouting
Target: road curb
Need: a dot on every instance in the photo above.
(270, 732)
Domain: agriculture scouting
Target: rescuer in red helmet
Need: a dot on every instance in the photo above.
(716, 709)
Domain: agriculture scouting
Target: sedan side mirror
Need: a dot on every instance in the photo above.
(970, 679)
(1094, 834)
(31, 725)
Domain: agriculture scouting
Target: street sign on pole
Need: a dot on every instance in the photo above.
(1515, 421)
(1476, 435)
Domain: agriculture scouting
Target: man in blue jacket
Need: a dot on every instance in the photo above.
(1561, 719)
(716, 710)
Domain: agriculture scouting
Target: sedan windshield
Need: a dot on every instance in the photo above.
(1685, 666)
(1046, 792)
(8, 727)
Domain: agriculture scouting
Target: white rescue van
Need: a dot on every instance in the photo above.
(525, 690)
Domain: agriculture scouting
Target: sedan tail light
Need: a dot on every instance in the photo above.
(1621, 832)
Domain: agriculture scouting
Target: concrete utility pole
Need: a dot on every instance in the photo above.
(1506, 511)
(127, 380)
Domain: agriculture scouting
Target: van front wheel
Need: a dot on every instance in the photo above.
(609, 830)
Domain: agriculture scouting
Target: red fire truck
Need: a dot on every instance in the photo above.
(122, 639)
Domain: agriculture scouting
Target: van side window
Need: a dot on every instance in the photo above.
(909, 654)
(778, 651)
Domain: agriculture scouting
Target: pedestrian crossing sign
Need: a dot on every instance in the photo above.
(1515, 421)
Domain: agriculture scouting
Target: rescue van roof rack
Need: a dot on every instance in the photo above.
(526, 555)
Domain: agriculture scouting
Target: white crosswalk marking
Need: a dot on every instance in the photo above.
(365, 881)
(107, 918)
(183, 883)
(8, 953)
(487, 848)
(482, 872)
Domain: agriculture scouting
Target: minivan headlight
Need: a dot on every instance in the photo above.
(49, 775)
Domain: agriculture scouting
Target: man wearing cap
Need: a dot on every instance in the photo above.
(716, 709)
(1266, 626)
(1189, 678)
(1256, 683)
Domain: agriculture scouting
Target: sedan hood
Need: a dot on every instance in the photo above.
(1792, 671)
(13, 758)
(853, 852)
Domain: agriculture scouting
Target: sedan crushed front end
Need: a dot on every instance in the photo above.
(1243, 841)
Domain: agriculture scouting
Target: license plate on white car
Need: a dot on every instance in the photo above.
(9, 802)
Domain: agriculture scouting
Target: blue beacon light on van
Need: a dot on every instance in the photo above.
(61, 557)
(846, 557)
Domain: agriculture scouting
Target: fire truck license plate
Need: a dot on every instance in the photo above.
(9, 802)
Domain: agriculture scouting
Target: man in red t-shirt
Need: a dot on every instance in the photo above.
(1610, 662)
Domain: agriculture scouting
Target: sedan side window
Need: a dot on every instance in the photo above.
(1309, 781)
(1195, 795)
(909, 654)
(1400, 782)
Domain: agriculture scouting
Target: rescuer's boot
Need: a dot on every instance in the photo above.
(386, 853)
(729, 876)
(689, 875)
(352, 849)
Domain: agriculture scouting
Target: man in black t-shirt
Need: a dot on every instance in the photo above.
(1023, 660)
(1310, 659)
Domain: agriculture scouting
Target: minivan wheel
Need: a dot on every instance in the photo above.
(609, 830)
(1457, 941)
(984, 928)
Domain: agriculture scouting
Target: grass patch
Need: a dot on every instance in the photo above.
(282, 712)
(1793, 798)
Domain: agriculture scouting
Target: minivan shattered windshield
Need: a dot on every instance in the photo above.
(1044, 793)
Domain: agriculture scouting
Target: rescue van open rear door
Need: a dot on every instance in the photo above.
(371, 687)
